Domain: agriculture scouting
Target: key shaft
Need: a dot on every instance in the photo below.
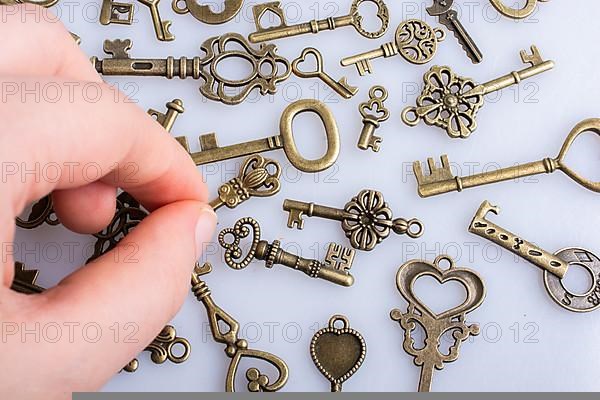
(367, 137)
(450, 20)
(298, 209)
(169, 67)
(314, 26)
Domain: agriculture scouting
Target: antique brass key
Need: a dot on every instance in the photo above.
(373, 113)
(415, 41)
(335, 268)
(216, 87)
(555, 266)
(211, 152)
(204, 13)
(341, 87)
(285, 31)
(366, 219)
(451, 102)
(441, 180)
(516, 13)
(114, 12)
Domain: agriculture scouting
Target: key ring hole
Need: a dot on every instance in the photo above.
(410, 116)
(338, 320)
(379, 93)
(579, 280)
(415, 229)
(440, 34)
(444, 262)
(175, 5)
(179, 351)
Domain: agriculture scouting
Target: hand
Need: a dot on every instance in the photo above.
(70, 132)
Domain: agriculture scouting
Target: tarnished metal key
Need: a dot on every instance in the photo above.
(342, 87)
(373, 113)
(449, 18)
(161, 28)
(366, 220)
(284, 31)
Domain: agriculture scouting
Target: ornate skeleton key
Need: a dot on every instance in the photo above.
(415, 41)
(204, 13)
(114, 12)
(451, 102)
(335, 268)
(373, 113)
(216, 87)
(341, 87)
(237, 349)
(366, 219)
(161, 28)
(555, 266)
(449, 18)
(285, 31)
(441, 180)
(516, 13)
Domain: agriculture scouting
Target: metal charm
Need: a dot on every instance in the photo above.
(373, 113)
(366, 219)
(554, 266)
(285, 31)
(448, 17)
(41, 212)
(341, 87)
(516, 13)
(441, 180)
(451, 102)
(203, 12)
(216, 86)
(211, 152)
(338, 352)
(237, 349)
(335, 268)
(415, 41)
(436, 325)
(114, 12)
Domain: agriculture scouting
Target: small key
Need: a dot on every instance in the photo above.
(366, 219)
(285, 31)
(441, 180)
(516, 13)
(555, 266)
(334, 269)
(113, 12)
(161, 28)
(451, 102)
(373, 113)
(341, 87)
(415, 41)
(449, 18)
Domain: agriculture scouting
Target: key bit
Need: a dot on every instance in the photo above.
(114, 12)
(374, 113)
(161, 28)
(335, 269)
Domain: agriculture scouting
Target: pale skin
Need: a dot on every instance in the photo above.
(73, 132)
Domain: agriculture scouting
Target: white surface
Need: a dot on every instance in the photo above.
(528, 342)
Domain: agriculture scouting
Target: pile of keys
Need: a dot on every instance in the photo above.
(447, 101)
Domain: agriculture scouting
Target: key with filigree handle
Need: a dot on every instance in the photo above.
(226, 330)
(451, 102)
(335, 268)
(283, 30)
(366, 220)
(555, 266)
(374, 113)
(441, 180)
(415, 41)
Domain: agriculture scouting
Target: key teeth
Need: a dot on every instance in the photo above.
(486, 208)
(535, 58)
(351, 89)
(295, 220)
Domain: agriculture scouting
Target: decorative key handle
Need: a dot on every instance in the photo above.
(338, 352)
(366, 220)
(451, 102)
(516, 13)
(415, 41)
(42, 212)
(341, 87)
(374, 113)
(283, 30)
(335, 268)
(436, 325)
(216, 86)
(161, 348)
(204, 12)
(447, 16)
(555, 266)
(441, 180)
(237, 349)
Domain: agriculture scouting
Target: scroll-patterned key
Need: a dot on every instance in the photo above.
(449, 18)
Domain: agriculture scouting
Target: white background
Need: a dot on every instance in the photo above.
(527, 341)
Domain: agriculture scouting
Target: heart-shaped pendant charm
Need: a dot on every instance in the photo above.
(436, 325)
(338, 352)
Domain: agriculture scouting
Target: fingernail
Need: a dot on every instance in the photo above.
(205, 228)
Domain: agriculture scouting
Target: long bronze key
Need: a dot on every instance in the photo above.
(555, 266)
(366, 219)
(211, 152)
(441, 180)
(451, 102)
(285, 31)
